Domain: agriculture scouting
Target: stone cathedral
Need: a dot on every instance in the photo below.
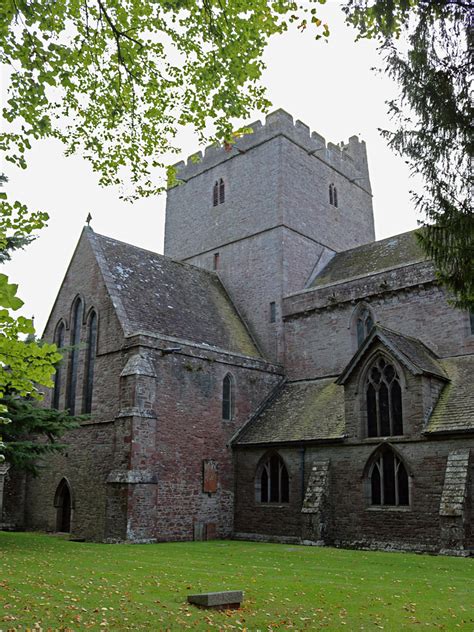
(276, 375)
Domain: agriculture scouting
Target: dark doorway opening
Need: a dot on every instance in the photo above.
(62, 502)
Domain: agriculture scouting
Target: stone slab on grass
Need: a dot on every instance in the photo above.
(223, 599)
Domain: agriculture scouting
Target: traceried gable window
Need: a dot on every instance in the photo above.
(228, 396)
(218, 192)
(272, 484)
(384, 400)
(388, 480)
(364, 324)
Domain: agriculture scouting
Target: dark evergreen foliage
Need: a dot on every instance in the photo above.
(434, 116)
(33, 432)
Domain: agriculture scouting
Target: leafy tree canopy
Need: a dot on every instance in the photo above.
(115, 79)
(428, 50)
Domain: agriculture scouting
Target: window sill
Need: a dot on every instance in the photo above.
(399, 508)
(385, 438)
(273, 505)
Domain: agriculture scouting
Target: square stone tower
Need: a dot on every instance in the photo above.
(268, 214)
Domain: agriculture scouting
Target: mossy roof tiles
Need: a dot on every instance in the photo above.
(155, 294)
(371, 258)
(454, 411)
(415, 355)
(301, 411)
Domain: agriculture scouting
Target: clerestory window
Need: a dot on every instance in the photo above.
(273, 485)
(384, 400)
(364, 324)
(388, 480)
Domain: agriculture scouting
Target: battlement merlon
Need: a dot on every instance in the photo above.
(348, 159)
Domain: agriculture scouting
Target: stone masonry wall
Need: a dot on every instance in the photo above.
(321, 342)
(351, 522)
(89, 456)
(190, 429)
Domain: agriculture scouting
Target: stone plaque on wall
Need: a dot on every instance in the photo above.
(209, 476)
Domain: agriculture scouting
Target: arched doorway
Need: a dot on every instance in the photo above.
(62, 502)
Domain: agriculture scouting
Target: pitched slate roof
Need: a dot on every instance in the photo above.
(411, 352)
(386, 254)
(454, 410)
(300, 411)
(154, 294)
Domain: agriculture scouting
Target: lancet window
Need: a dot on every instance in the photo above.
(90, 362)
(74, 355)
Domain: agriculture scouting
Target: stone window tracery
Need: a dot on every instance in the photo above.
(388, 479)
(384, 400)
(228, 397)
(273, 485)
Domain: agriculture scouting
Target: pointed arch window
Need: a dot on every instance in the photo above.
(384, 400)
(388, 480)
(333, 195)
(90, 362)
(218, 192)
(228, 396)
(74, 355)
(273, 484)
(59, 341)
(364, 324)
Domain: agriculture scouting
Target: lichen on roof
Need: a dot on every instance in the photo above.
(158, 295)
(454, 411)
(302, 411)
(371, 258)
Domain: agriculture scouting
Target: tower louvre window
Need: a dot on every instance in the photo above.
(333, 195)
(218, 192)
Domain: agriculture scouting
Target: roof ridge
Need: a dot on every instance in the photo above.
(157, 254)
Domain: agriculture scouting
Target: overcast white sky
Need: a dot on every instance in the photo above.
(330, 86)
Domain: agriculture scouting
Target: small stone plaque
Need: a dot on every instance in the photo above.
(225, 599)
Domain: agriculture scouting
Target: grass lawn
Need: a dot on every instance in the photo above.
(54, 584)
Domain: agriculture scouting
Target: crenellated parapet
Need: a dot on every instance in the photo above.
(348, 159)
